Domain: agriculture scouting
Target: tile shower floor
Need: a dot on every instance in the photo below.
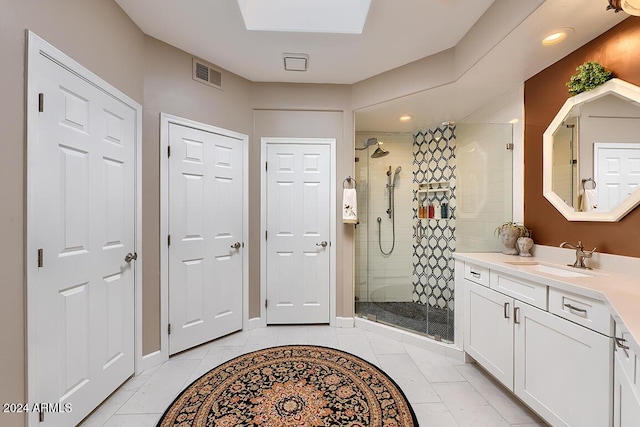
(422, 318)
(443, 392)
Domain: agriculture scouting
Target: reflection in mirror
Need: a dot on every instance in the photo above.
(565, 164)
(594, 142)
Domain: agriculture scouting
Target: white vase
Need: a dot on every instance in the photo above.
(524, 245)
(509, 237)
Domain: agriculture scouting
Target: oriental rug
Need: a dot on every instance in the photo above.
(292, 386)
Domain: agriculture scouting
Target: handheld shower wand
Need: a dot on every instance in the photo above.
(391, 183)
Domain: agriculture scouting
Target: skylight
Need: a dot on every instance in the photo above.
(314, 16)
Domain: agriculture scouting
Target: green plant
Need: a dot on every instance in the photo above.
(589, 75)
(524, 231)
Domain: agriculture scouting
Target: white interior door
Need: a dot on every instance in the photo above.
(206, 246)
(298, 227)
(82, 172)
(617, 170)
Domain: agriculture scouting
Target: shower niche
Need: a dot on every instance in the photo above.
(433, 200)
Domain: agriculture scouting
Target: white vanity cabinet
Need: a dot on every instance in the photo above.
(626, 382)
(560, 369)
(488, 334)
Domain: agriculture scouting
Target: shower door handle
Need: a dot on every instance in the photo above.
(323, 244)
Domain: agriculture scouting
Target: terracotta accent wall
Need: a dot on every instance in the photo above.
(619, 51)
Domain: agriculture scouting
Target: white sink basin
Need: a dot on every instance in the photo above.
(549, 269)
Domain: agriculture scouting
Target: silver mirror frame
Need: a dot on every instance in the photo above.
(613, 86)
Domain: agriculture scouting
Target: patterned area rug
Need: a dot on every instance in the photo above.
(292, 386)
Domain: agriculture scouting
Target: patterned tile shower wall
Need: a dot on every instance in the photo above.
(434, 168)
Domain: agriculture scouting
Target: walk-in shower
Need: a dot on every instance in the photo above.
(405, 276)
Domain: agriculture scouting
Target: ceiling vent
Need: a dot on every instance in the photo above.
(295, 61)
(206, 74)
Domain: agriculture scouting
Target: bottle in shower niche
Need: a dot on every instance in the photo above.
(431, 211)
(438, 210)
(444, 210)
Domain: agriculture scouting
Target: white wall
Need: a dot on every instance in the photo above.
(389, 277)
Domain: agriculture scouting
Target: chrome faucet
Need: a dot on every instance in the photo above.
(581, 254)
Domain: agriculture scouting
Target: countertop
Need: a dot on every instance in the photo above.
(620, 292)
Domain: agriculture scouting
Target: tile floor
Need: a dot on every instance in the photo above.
(443, 392)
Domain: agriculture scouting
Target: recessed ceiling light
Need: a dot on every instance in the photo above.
(557, 36)
(406, 118)
(513, 121)
(314, 16)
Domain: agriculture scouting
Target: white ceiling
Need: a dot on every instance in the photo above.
(396, 33)
(517, 57)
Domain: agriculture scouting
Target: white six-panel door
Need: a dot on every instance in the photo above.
(205, 225)
(82, 184)
(298, 233)
(617, 175)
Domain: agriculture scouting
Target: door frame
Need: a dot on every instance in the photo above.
(37, 46)
(165, 121)
(331, 142)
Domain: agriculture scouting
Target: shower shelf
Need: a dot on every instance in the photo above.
(434, 187)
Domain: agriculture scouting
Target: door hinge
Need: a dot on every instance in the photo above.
(169, 240)
(169, 329)
(266, 303)
(41, 416)
(40, 257)
(41, 102)
(266, 166)
(265, 234)
(510, 146)
(168, 151)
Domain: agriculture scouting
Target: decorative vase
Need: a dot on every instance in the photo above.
(509, 237)
(524, 245)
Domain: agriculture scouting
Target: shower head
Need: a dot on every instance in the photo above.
(395, 174)
(380, 152)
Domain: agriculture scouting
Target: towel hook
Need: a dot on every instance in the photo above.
(347, 181)
(584, 181)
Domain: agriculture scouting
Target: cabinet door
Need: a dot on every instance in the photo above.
(626, 406)
(562, 370)
(488, 334)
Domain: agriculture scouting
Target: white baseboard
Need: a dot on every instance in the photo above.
(254, 323)
(344, 322)
(149, 361)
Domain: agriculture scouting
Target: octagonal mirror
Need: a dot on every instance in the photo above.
(591, 154)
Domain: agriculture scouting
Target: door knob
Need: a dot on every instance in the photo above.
(323, 244)
(236, 245)
(131, 257)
